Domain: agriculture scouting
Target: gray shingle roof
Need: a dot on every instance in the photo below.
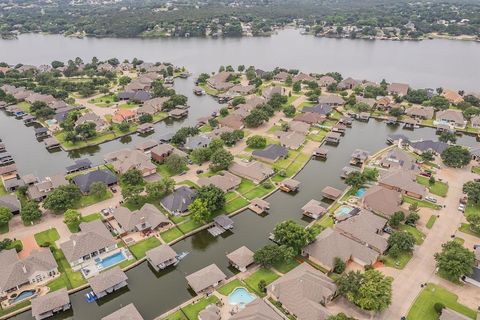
(257, 310)
(129, 312)
(271, 152)
(148, 215)
(85, 181)
(161, 254)
(10, 202)
(50, 301)
(241, 257)
(206, 277)
(107, 279)
(179, 200)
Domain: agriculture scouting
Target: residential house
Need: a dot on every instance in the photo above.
(129, 312)
(292, 140)
(449, 314)
(452, 117)
(211, 312)
(161, 152)
(348, 84)
(243, 90)
(282, 76)
(396, 158)
(50, 304)
(325, 81)
(368, 101)
(382, 201)
(233, 121)
(268, 92)
(90, 117)
(198, 141)
(124, 115)
(146, 145)
(302, 77)
(146, 219)
(206, 279)
(304, 292)
(126, 159)
(475, 122)
(12, 185)
(313, 209)
(310, 117)
(404, 182)
(436, 147)
(452, 96)
(224, 181)
(161, 257)
(108, 281)
(152, 106)
(178, 201)
(321, 109)
(39, 267)
(40, 190)
(298, 126)
(330, 244)
(93, 241)
(399, 89)
(383, 103)
(271, 153)
(359, 157)
(11, 202)
(79, 165)
(331, 100)
(254, 170)
(241, 258)
(220, 81)
(86, 180)
(420, 112)
(256, 310)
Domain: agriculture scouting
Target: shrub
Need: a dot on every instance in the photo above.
(267, 185)
(262, 286)
(438, 307)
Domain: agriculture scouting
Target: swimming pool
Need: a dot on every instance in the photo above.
(23, 295)
(343, 212)
(240, 296)
(111, 260)
(360, 192)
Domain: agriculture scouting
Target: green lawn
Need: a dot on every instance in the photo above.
(299, 162)
(2, 190)
(421, 203)
(284, 267)
(164, 172)
(472, 208)
(226, 289)
(88, 200)
(465, 228)
(317, 135)
(438, 188)
(69, 278)
(262, 274)
(245, 186)
(171, 234)
(47, 237)
(398, 263)
(417, 234)
(20, 305)
(431, 221)
(422, 308)
(139, 248)
(188, 226)
(25, 106)
(326, 221)
(104, 101)
(192, 310)
(89, 218)
(178, 315)
(235, 205)
(258, 192)
(476, 170)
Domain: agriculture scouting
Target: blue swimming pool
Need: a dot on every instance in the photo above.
(240, 296)
(360, 192)
(111, 260)
(23, 295)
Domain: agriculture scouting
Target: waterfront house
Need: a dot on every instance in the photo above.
(161, 152)
(38, 268)
(224, 181)
(333, 138)
(331, 100)
(124, 115)
(178, 201)
(50, 304)
(259, 206)
(161, 257)
(93, 241)
(268, 92)
(359, 157)
(242, 90)
(330, 244)
(178, 113)
(452, 117)
(85, 181)
(233, 121)
(452, 96)
(51, 143)
(108, 281)
(289, 185)
(198, 141)
(420, 112)
(211, 312)
(145, 128)
(146, 145)
(144, 220)
(399, 89)
(257, 309)
(396, 158)
(304, 292)
(299, 127)
(241, 258)
(152, 106)
(271, 153)
(220, 82)
(321, 153)
(254, 170)
(321, 109)
(42, 189)
(404, 182)
(331, 193)
(206, 279)
(90, 117)
(12, 185)
(382, 201)
(129, 312)
(313, 209)
(8, 172)
(474, 278)
(126, 159)
(79, 165)
(436, 147)
(368, 101)
(291, 139)
(310, 117)
(41, 132)
(11, 202)
(475, 122)
(383, 103)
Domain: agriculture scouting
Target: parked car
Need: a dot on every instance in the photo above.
(461, 207)
(431, 199)
(426, 174)
(199, 171)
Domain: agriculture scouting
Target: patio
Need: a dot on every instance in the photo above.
(105, 261)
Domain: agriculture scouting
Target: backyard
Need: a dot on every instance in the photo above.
(438, 188)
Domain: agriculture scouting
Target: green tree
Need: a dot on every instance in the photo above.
(124, 126)
(72, 219)
(62, 198)
(272, 254)
(158, 189)
(428, 156)
(338, 265)
(375, 292)
(200, 155)
(30, 212)
(98, 190)
(402, 240)
(145, 118)
(396, 219)
(175, 163)
(213, 197)
(132, 177)
(224, 112)
(412, 218)
(447, 137)
(355, 179)
(257, 142)
(455, 260)
(474, 220)
(5, 216)
(256, 118)
(124, 80)
(293, 235)
(297, 86)
(456, 156)
(472, 189)
(289, 111)
(132, 193)
(199, 211)
(220, 160)
(340, 316)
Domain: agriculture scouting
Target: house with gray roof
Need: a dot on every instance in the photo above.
(86, 180)
(93, 241)
(224, 181)
(206, 279)
(39, 267)
(42, 189)
(420, 112)
(211, 312)
(321, 109)
(126, 159)
(257, 310)
(404, 182)
(161, 257)
(50, 304)
(143, 220)
(397, 158)
(331, 100)
(253, 170)
(399, 89)
(241, 258)
(304, 292)
(271, 153)
(90, 117)
(452, 117)
(310, 117)
(11, 202)
(198, 141)
(268, 92)
(178, 201)
(348, 84)
(108, 281)
(382, 201)
(292, 140)
(437, 147)
(79, 165)
(129, 312)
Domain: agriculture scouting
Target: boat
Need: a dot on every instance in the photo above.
(91, 297)
(198, 91)
(182, 255)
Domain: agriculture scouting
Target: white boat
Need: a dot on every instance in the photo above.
(182, 255)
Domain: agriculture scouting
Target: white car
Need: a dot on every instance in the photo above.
(461, 207)
(431, 199)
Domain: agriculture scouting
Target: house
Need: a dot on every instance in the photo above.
(399, 89)
(41, 132)
(449, 314)
(420, 112)
(452, 117)
(79, 165)
(38, 268)
(126, 159)
(206, 279)
(268, 92)
(11, 202)
(382, 201)
(302, 77)
(129, 312)
(366, 228)
(313, 209)
(331, 193)
(359, 157)
(477, 255)
(304, 292)
(90, 117)
(124, 115)
(51, 143)
(310, 117)
(93, 241)
(50, 304)
(85, 181)
(40, 190)
(331, 100)
(291, 139)
(289, 185)
(299, 127)
(321, 109)
(211, 312)
(243, 90)
(29, 179)
(368, 101)
(146, 145)
(254, 170)
(152, 106)
(384, 103)
(224, 181)
(256, 310)
(452, 96)
(271, 153)
(282, 76)
(233, 121)
(330, 244)
(220, 81)
(161, 152)
(436, 147)
(404, 182)
(198, 141)
(144, 220)
(108, 281)
(12, 185)
(348, 84)
(259, 206)
(145, 128)
(396, 158)
(325, 81)
(161, 257)
(178, 201)
(333, 138)
(178, 113)
(241, 258)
